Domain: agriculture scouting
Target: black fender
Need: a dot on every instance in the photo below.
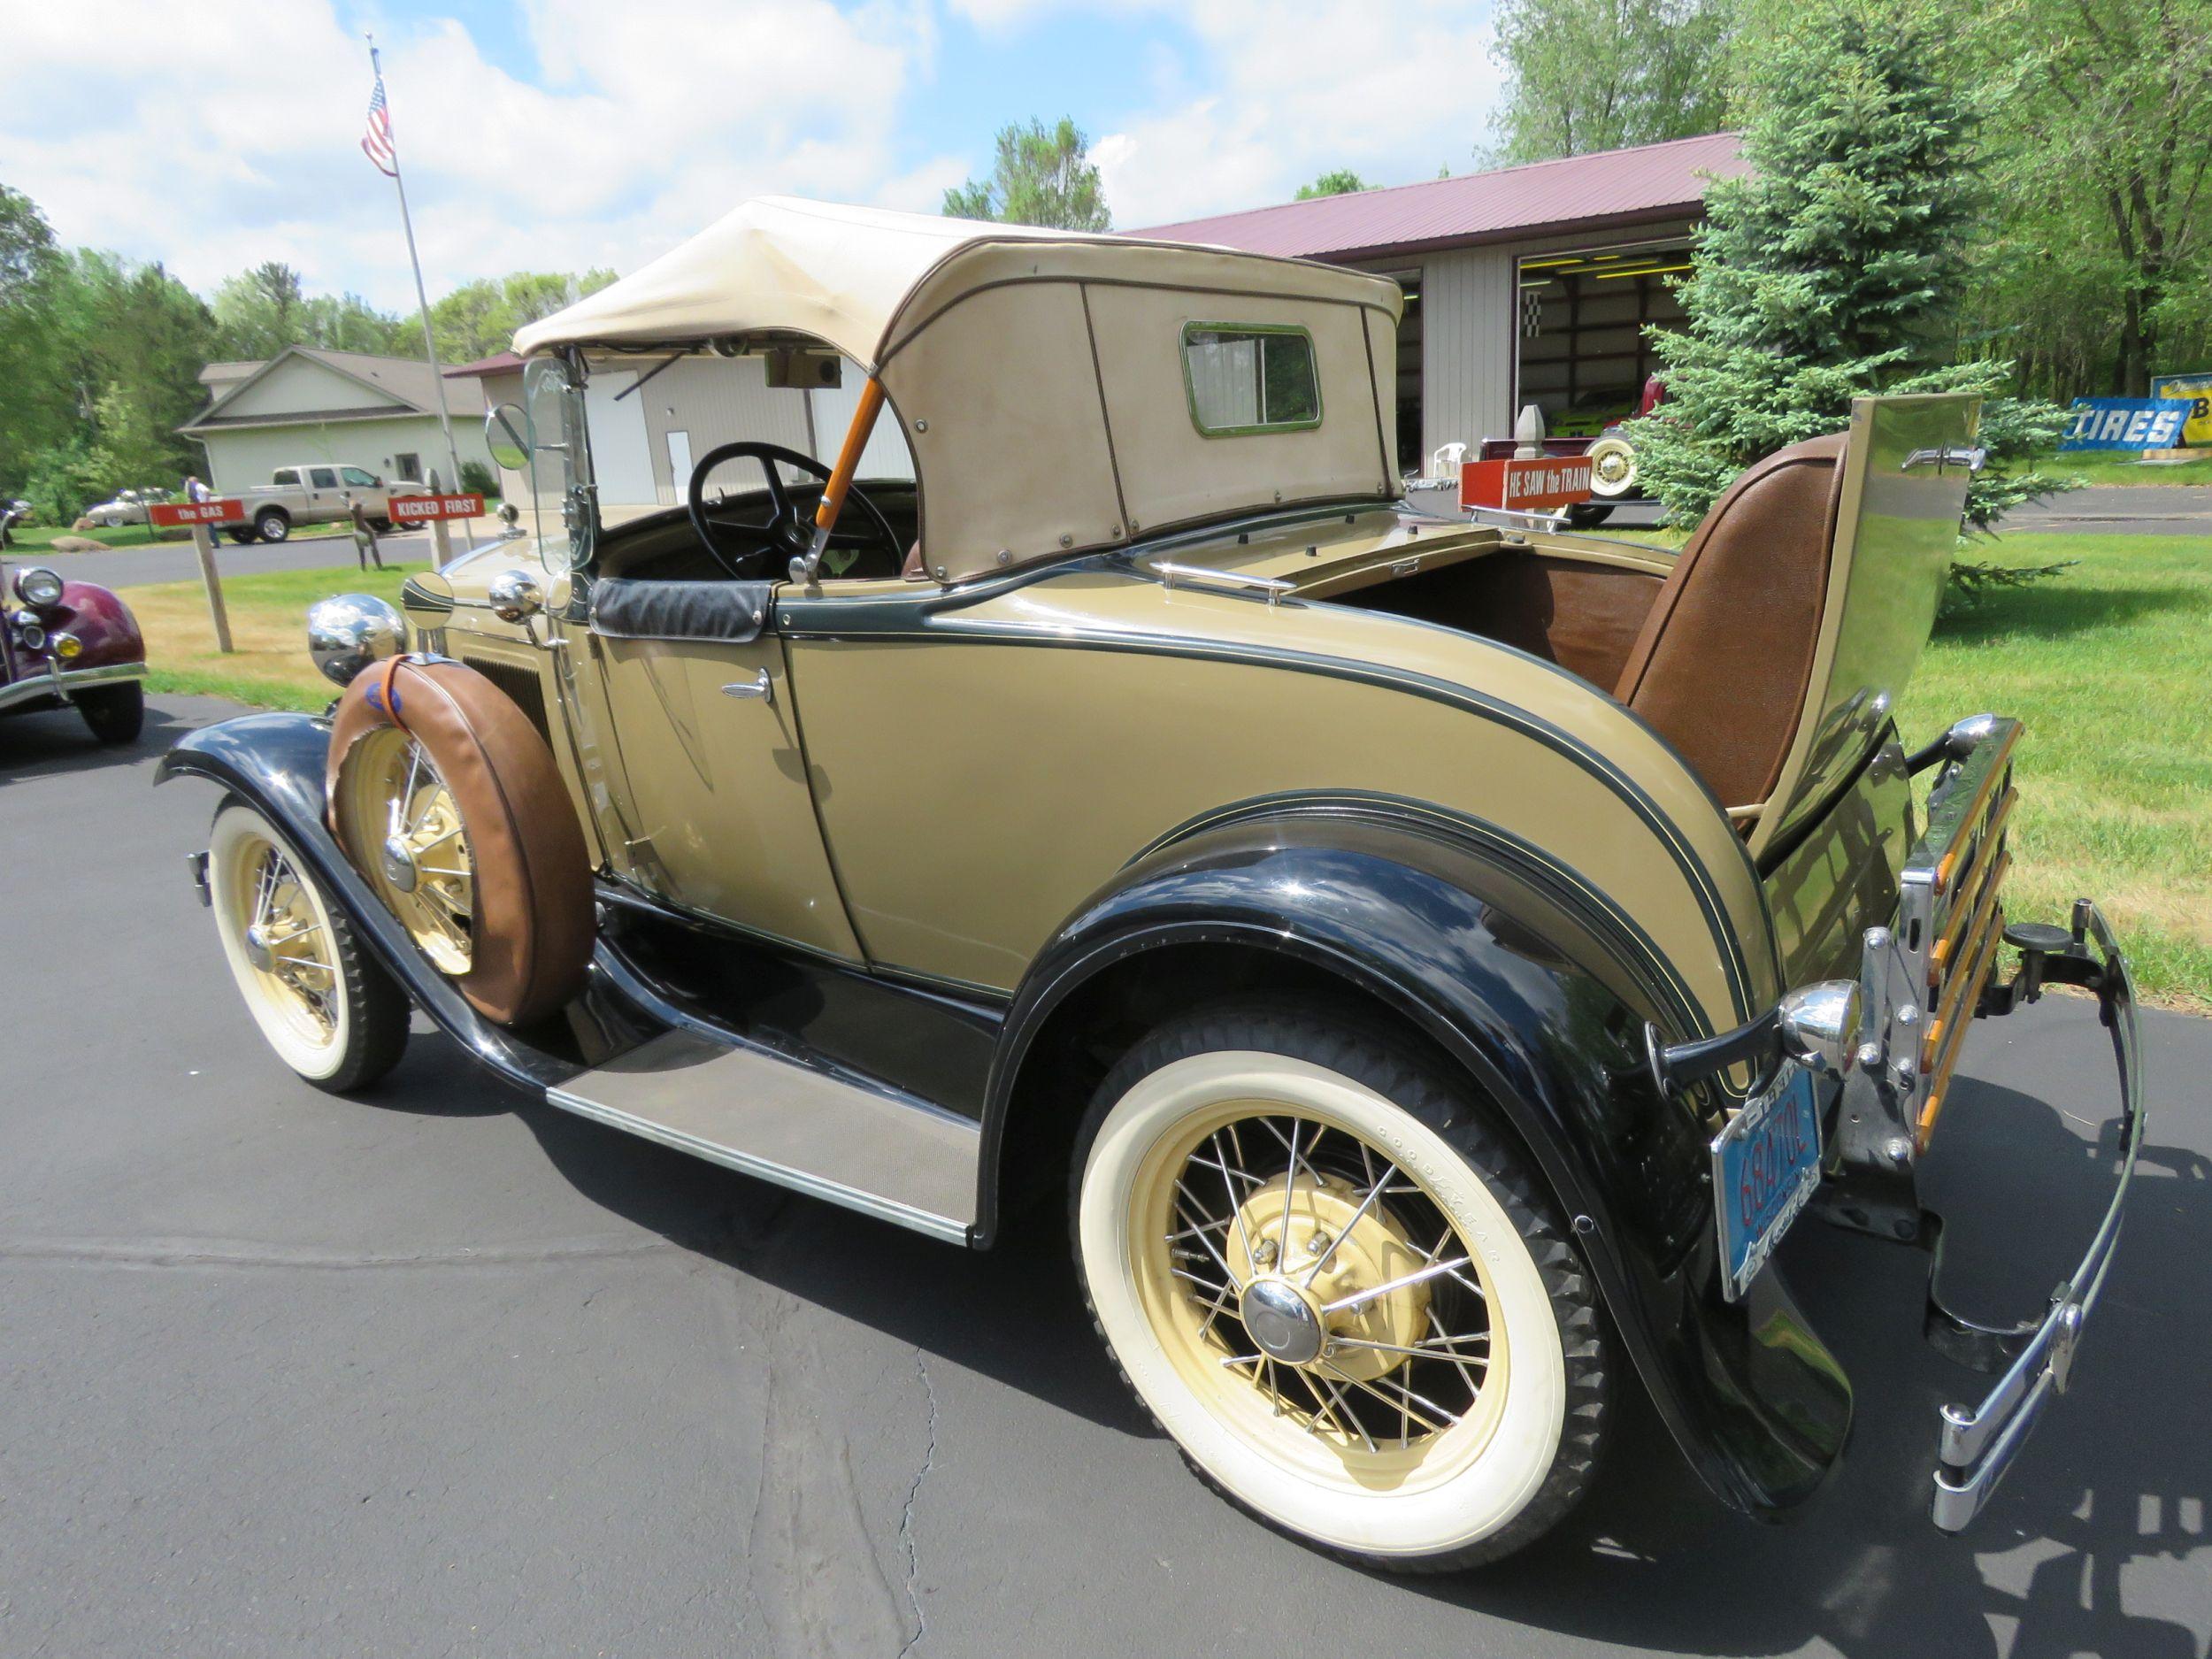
(1539, 987)
(275, 761)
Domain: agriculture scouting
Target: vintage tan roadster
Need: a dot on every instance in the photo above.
(1432, 961)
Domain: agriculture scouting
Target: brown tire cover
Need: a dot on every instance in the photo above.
(531, 930)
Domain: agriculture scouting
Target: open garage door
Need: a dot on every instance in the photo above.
(1583, 355)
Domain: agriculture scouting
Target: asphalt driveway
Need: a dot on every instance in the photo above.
(2121, 509)
(443, 1371)
(175, 562)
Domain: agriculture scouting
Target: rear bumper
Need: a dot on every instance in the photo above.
(1925, 980)
(1979, 1442)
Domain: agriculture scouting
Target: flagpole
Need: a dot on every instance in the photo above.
(422, 300)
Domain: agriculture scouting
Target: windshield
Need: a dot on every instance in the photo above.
(555, 432)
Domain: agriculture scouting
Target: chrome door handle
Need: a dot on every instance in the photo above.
(1971, 459)
(762, 687)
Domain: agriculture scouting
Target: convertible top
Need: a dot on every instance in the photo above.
(1039, 377)
(844, 275)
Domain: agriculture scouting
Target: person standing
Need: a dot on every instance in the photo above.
(194, 490)
(364, 546)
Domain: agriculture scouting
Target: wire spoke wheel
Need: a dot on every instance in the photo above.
(401, 813)
(286, 943)
(1321, 1297)
(1338, 1288)
(334, 1017)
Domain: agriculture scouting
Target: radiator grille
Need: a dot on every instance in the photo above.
(522, 685)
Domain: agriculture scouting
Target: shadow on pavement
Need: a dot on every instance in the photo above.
(2116, 1476)
(58, 741)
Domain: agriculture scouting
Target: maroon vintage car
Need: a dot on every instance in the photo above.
(69, 644)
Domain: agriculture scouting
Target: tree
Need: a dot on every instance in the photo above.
(1601, 74)
(479, 319)
(259, 312)
(2104, 156)
(1837, 265)
(37, 410)
(1343, 181)
(1044, 176)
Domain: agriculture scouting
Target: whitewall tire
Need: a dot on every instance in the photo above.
(1385, 1346)
(332, 1015)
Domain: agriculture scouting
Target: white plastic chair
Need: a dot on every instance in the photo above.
(1445, 463)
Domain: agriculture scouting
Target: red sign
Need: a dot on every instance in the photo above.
(169, 514)
(1544, 485)
(423, 509)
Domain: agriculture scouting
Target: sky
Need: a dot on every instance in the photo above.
(560, 135)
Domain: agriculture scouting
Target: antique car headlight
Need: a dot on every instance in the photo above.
(347, 634)
(36, 585)
(515, 596)
(29, 630)
(66, 647)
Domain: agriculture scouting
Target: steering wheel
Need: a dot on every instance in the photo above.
(740, 548)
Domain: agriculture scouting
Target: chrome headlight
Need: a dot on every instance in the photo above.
(29, 630)
(347, 634)
(36, 585)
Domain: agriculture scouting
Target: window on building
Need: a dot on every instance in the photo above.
(408, 466)
(1251, 377)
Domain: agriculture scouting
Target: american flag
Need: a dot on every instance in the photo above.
(376, 143)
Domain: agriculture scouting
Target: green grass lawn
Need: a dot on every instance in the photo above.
(2092, 467)
(268, 626)
(2109, 665)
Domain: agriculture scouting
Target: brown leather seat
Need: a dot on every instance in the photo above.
(1722, 665)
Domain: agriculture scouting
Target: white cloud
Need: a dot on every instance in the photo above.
(1391, 89)
(215, 136)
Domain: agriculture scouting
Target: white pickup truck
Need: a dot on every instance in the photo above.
(313, 493)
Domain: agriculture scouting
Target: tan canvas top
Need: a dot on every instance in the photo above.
(1039, 377)
(842, 274)
(775, 263)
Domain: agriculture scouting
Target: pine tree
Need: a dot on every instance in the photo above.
(1837, 264)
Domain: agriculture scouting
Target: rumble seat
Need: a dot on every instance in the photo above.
(1724, 658)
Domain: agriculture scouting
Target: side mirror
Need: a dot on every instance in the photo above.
(427, 599)
(503, 430)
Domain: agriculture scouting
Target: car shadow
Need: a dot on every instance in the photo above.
(2116, 1477)
(58, 741)
(2053, 608)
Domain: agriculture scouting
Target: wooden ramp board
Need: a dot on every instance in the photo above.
(870, 1148)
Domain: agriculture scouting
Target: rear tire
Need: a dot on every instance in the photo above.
(1405, 1170)
(332, 1015)
(1586, 515)
(243, 535)
(115, 713)
(272, 527)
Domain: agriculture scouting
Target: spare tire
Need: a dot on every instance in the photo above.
(448, 802)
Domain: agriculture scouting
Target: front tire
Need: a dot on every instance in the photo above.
(115, 713)
(1386, 1346)
(333, 1016)
(272, 527)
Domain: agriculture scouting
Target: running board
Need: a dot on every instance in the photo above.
(870, 1148)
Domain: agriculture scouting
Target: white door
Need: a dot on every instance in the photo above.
(679, 466)
(621, 456)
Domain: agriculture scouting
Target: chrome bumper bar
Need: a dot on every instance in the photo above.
(59, 682)
(1979, 1442)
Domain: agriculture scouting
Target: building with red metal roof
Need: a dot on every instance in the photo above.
(1524, 285)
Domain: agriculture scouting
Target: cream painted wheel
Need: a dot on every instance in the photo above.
(1338, 1293)
(1612, 468)
(394, 800)
(331, 1017)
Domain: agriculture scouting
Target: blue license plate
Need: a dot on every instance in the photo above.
(1766, 1164)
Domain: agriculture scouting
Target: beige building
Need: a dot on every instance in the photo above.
(335, 407)
(1524, 285)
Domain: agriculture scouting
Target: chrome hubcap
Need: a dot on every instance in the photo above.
(1286, 1325)
(258, 951)
(399, 863)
